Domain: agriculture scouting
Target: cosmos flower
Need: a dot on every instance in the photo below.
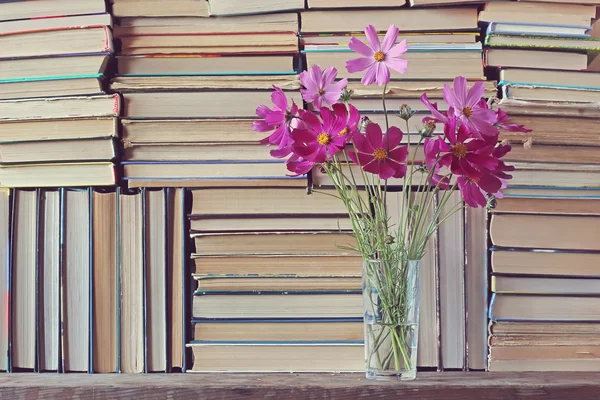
(320, 87)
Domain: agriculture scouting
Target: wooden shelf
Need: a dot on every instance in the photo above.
(428, 386)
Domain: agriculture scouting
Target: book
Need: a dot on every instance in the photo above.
(421, 20)
(353, 3)
(180, 174)
(261, 201)
(449, 64)
(286, 330)
(548, 263)
(184, 104)
(51, 88)
(240, 7)
(544, 285)
(5, 205)
(56, 175)
(105, 295)
(532, 13)
(532, 205)
(278, 264)
(55, 23)
(16, 131)
(265, 223)
(550, 108)
(58, 68)
(451, 274)
(23, 270)
(417, 39)
(132, 322)
(557, 94)
(273, 305)
(252, 283)
(76, 281)
(177, 259)
(32, 10)
(552, 192)
(567, 330)
(160, 8)
(196, 64)
(537, 29)
(57, 151)
(560, 43)
(522, 307)
(284, 243)
(156, 278)
(278, 357)
(285, 22)
(194, 152)
(476, 286)
(562, 365)
(57, 42)
(554, 131)
(61, 107)
(259, 39)
(540, 59)
(550, 231)
(266, 82)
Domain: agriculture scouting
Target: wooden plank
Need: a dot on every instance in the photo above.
(428, 386)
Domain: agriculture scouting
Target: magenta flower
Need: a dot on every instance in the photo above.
(320, 86)
(351, 118)
(317, 141)
(378, 57)
(465, 154)
(438, 116)
(298, 165)
(502, 122)
(380, 154)
(471, 192)
(467, 109)
(281, 118)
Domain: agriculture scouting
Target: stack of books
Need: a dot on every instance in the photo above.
(57, 125)
(94, 280)
(544, 231)
(274, 292)
(191, 86)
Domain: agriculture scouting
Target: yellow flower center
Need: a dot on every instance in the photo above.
(324, 139)
(430, 125)
(473, 180)
(321, 92)
(467, 111)
(380, 154)
(459, 150)
(343, 131)
(379, 56)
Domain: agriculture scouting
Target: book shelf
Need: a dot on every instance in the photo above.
(428, 386)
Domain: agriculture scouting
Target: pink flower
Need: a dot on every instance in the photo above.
(320, 86)
(298, 165)
(437, 115)
(502, 122)
(351, 117)
(466, 106)
(281, 118)
(317, 141)
(471, 192)
(464, 154)
(378, 57)
(380, 154)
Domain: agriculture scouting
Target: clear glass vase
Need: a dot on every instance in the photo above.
(391, 318)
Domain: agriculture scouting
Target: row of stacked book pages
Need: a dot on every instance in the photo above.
(92, 280)
(545, 233)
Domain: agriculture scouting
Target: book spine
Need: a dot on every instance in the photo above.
(91, 280)
(9, 295)
(436, 258)
(118, 277)
(185, 280)
(61, 276)
(167, 263)
(38, 280)
(145, 234)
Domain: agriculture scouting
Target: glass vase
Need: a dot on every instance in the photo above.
(391, 318)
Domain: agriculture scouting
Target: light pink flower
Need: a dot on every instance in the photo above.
(379, 153)
(320, 86)
(377, 58)
(466, 107)
(281, 118)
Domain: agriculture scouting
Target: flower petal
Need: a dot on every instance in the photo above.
(439, 117)
(399, 154)
(303, 136)
(374, 135)
(359, 47)
(362, 144)
(372, 38)
(329, 76)
(475, 94)
(359, 64)
(392, 137)
(397, 64)
(278, 98)
(370, 74)
(397, 50)
(382, 74)
(328, 119)
(460, 91)
(360, 158)
(390, 38)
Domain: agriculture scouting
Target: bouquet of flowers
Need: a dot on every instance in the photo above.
(361, 158)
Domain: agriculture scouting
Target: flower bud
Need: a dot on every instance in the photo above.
(406, 112)
(427, 129)
(362, 124)
(389, 239)
(346, 95)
